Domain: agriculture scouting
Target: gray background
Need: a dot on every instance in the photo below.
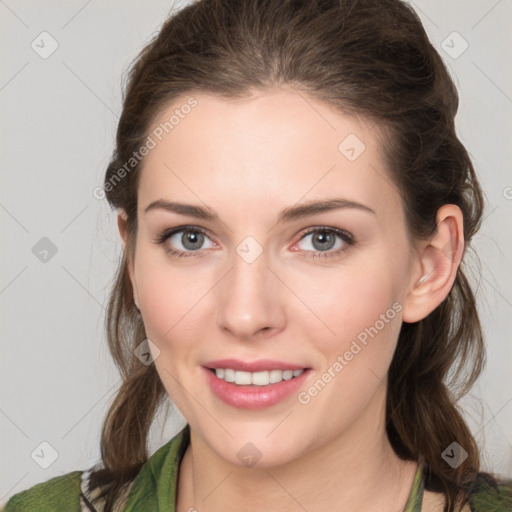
(58, 123)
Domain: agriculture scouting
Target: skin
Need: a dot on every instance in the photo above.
(247, 160)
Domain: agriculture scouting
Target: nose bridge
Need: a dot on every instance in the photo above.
(249, 295)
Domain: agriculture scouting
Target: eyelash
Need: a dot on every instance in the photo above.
(347, 238)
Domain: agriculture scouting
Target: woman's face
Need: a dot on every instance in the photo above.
(252, 285)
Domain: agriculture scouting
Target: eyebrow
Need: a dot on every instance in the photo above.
(286, 215)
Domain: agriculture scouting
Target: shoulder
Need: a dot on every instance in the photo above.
(59, 493)
(490, 495)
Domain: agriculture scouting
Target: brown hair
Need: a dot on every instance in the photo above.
(364, 57)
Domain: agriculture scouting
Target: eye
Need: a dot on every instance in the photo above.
(190, 238)
(324, 240)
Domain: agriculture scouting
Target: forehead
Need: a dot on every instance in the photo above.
(278, 146)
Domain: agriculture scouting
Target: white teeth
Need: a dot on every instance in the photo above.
(275, 376)
(260, 378)
(263, 378)
(242, 377)
(229, 375)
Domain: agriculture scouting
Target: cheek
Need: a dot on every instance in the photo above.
(364, 315)
(360, 306)
(349, 300)
(169, 297)
(170, 303)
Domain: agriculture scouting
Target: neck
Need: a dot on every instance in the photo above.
(358, 468)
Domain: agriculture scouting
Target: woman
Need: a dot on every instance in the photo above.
(294, 206)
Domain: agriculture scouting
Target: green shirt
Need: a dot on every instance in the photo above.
(154, 488)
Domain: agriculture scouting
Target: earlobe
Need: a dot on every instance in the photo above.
(439, 260)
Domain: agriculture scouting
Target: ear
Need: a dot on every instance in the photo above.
(439, 259)
(122, 224)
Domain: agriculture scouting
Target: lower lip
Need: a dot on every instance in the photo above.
(252, 396)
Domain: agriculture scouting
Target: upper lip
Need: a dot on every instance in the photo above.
(253, 366)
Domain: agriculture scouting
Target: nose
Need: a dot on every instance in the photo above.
(250, 300)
